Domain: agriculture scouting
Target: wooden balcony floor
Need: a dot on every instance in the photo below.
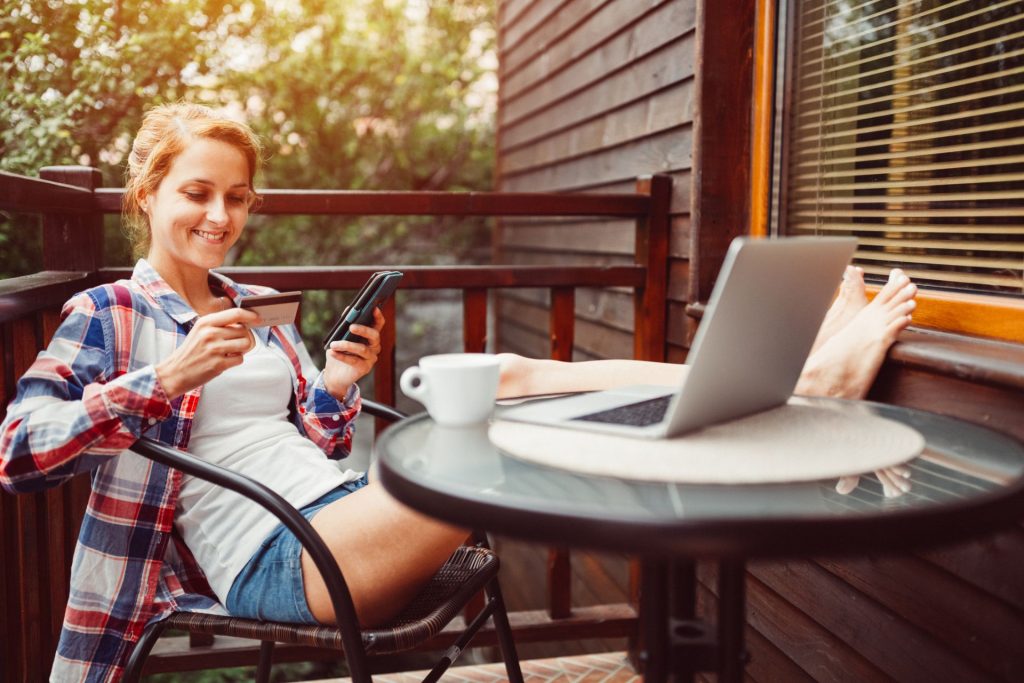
(606, 667)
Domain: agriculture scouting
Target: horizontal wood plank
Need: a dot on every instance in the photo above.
(610, 307)
(25, 295)
(512, 12)
(608, 236)
(426, 277)
(821, 654)
(990, 563)
(31, 195)
(595, 338)
(671, 23)
(661, 153)
(899, 649)
(537, 115)
(587, 236)
(979, 361)
(989, 406)
(384, 203)
(547, 23)
(650, 115)
(967, 621)
(767, 662)
(618, 34)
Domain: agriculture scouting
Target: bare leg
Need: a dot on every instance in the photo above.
(386, 551)
(846, 364)
(851, 298)
(522, 376)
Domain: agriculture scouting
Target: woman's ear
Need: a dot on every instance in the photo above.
(142, 199)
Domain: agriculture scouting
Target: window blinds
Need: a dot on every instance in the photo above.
(907, 130)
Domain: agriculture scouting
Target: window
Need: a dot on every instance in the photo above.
(903, 124)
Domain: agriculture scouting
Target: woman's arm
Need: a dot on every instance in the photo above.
(71, 413)
(327, 421)
(522, 376)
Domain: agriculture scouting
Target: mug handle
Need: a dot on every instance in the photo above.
(409, 386)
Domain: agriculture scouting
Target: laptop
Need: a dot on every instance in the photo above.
(764, 313)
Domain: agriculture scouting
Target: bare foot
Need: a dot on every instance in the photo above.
(851, 299)
(846, 364)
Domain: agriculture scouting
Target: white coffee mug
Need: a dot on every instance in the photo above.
(458, 389)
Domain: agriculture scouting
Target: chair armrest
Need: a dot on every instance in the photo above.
(341, 598)
(382, 410)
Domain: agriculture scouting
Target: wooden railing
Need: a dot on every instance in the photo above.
(38, 531)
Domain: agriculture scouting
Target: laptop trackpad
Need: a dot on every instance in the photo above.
(592, 404)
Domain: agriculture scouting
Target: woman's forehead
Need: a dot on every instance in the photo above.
(211, 162)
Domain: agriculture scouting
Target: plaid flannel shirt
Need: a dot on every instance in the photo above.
(81, 404)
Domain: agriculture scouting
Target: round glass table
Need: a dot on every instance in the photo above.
(967, 480)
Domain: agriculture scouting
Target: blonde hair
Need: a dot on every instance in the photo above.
(165, 132)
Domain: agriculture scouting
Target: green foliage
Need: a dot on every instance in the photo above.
(346, 94)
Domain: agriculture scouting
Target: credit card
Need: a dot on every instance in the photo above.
(275, 309)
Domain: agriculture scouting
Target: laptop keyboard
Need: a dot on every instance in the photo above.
(639, 414)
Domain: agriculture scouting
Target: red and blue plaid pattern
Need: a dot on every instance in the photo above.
(81, 404)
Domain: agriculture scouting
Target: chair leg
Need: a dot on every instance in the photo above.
(266, 661)
(500, 615)
(504, 632)
(137, 660)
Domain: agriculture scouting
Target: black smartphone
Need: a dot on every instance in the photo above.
(375, 292)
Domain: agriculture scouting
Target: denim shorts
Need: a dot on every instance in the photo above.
(270, 586)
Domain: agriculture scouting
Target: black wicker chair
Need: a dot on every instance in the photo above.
(470, 569)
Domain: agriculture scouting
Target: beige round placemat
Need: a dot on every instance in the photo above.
(790, 443)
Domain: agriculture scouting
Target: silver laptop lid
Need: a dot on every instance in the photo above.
(767, 305)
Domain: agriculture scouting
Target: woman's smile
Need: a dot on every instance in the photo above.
(211, 237)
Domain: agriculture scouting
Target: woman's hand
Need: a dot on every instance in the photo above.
(348, 361)
(215, 343)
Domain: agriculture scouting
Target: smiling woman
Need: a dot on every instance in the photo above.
(169, 355)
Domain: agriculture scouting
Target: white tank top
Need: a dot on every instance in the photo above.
(242, 424)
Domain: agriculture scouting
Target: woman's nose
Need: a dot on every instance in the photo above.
(217, 212)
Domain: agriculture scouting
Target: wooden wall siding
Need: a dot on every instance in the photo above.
(583, 89)
(947, 613)
(593, 94)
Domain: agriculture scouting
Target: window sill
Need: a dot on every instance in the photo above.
(972, 359)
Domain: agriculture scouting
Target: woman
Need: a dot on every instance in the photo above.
(168, 355)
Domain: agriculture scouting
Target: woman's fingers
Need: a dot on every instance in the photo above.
(346, 350)
(230, 316)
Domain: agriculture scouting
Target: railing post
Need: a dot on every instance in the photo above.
(474, 320)
(650, 302)
(384, 372)
(73, 242)
(474, 340)
(563, 331)
(650, 306)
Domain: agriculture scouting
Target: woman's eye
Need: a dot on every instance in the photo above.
(195, 196)
(238, 200)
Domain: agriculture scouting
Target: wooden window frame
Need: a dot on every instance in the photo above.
(981, 315)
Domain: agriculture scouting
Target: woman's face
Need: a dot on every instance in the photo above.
(200, 207)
